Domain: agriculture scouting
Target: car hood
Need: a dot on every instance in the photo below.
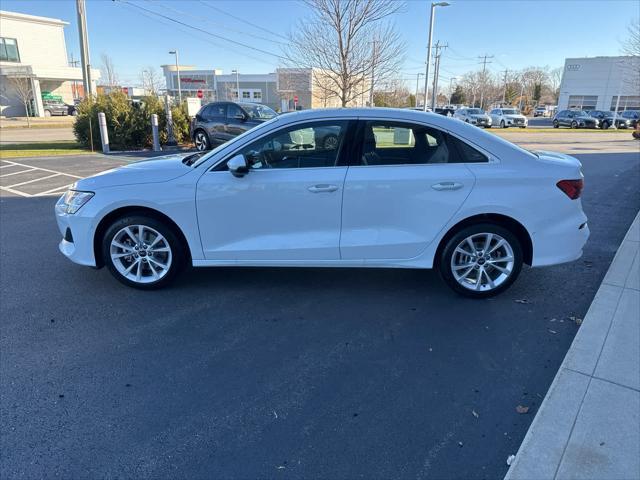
(158, 169)
(479, 116)
(516, 117)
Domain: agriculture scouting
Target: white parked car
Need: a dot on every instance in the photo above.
(400, 188)
(474, 116)
(508, 117)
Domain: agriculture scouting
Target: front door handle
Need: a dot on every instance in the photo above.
(322, 188)
(447, 186)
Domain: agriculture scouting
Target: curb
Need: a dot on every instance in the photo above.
(586, 426)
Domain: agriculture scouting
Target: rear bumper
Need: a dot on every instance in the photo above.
(561, 242)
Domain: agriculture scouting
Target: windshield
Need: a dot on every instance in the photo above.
(223, 146)
(511, 111)
(259, 112)
(581, 114)
(475, 111)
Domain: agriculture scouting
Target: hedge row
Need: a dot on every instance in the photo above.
(128, 124)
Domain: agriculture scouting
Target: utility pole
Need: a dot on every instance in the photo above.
(417, 84)
(504, 91)
(237, 83)
(484, 70)
(373, 68)
(84, 48)
(436, 75)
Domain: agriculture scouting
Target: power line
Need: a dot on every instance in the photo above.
(240, 19)
(195, 35)
(204, 31)
(206, 20)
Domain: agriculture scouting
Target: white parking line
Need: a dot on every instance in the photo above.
(43, 169)
(15, 192)
(53, 190)
(17, 173)
(34, 180)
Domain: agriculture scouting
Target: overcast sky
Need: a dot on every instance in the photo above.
(517, 33)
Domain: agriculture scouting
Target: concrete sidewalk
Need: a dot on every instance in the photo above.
(588, 426)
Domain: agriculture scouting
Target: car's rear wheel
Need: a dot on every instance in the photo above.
(556, 124)
(481, 260)
(201, 141)
(47, 113)
(142, 252)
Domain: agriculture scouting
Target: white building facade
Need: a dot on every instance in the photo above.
(33, 52)
(600, 83)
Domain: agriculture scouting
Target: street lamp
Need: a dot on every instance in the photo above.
(237, 83)
(417, 84)
(175, 52)
(426, 75)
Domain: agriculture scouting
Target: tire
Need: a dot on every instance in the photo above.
(556, 124)
(47, 113)
(201, 140)
(502, 124)
(142, 267)
(502, 273)
(574, 124)
(330, 142)
(605, 125)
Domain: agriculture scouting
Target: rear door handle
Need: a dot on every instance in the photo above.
(447, 186)
(322, 188)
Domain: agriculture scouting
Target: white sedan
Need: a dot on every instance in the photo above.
(399, 188)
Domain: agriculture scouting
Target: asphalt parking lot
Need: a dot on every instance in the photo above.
(292, 373)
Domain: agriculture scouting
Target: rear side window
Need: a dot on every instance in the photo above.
(399, 143)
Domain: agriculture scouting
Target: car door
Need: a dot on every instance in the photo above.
(286, 208)
(408, 184)
(237, 121)
(213, 117)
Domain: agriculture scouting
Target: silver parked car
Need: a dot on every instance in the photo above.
(508, 117)
(474, 116)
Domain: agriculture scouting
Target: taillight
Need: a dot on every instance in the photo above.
(572, 188)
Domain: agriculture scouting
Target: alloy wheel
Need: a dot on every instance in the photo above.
(482, 262)
(141, 254)
(200, 141)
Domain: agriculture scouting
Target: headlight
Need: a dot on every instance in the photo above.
(73, 200)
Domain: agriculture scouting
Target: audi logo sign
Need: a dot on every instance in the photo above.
(574, 66)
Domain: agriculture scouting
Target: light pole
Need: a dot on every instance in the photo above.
(417, 85)
(237, 83)
(451, 80)
(175, 52)
(426, 74)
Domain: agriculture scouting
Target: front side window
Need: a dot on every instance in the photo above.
(9, 50)
(310, 145)
(234, 111)
(396, 143)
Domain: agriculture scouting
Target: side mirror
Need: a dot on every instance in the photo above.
(238, 166)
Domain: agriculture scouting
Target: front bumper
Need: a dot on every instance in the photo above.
(77, 236)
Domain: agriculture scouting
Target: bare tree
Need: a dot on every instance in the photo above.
(109, 71)
(631, 46)
(350, 43)
(23, 90)
(151, 81)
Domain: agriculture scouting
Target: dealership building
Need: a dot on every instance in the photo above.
(285, 89)
(600, 83)
(33, 59)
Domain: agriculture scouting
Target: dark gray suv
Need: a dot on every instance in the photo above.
(219, 122)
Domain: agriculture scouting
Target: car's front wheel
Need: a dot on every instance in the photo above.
(201, 141)
(605, 125)
(556, 124)
(502, 124)
(574, 124)
(481, 260)
(142, 252)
